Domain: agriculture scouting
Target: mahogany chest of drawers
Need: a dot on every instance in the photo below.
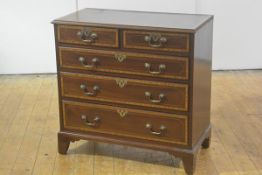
(135, 78)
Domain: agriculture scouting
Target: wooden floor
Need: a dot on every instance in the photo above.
(29, 122)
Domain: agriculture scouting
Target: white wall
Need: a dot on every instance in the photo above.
(180, 6)
(27, 39)
(26, 34)
(237, 32)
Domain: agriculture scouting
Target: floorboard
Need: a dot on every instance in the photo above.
(29, 123)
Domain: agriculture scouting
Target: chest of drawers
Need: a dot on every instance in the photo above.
(135, 78)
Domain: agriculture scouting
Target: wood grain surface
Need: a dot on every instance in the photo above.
(136, 19)
(134, 39)
(121, 121)
(106, 37)
(126, 91)
(125, 63)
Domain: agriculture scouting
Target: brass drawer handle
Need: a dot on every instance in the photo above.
(155, 40)
(152, 131)
(149, 97)
(87, 36)
(86, 92)
(161, 68)
(95, 122)
(94, 63)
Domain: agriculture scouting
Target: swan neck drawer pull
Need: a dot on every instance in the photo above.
(86, 92)
(161, 68)
(95, 122)
(161, 97)
(162, 129)
(93, 64)
(87, 36)
(155, 40)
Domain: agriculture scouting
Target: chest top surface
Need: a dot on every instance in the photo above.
(129, 19)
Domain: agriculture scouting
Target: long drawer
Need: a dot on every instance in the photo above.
(124, 62)
(170, 96)
(88, 117)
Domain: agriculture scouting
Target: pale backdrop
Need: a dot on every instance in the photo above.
(27, 40)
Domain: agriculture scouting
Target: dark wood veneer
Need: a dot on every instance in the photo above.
(125, 62)
(106, 37)
(186, 51)
(133, 39)
(121, 121)
(126, 91)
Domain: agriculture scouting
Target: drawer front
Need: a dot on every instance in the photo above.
(126, 91)
(91, 36)
(124, 63)
(159, 41)
(125, 122)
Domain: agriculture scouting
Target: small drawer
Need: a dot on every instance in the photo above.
(158, 41)
(90, 36)
(124, 63)
(172, 96)
(126, 122)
